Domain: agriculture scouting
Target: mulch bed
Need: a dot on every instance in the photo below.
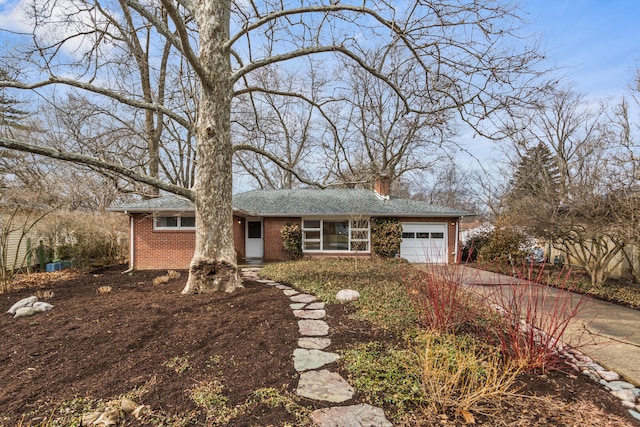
(101, 346)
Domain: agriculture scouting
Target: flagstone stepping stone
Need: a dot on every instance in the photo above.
(325, 386)
(306, 298)
(297, 306)
(362, 415)
(313, 328)
(316, 306)
(309, 314)
(281, 286)
(305, 359)
(314, 343)
(290, 292)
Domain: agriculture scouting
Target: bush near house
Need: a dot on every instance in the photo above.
(386, 236)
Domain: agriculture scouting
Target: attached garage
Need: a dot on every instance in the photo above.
(424, 243)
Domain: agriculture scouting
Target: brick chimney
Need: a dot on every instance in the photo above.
(381, 185)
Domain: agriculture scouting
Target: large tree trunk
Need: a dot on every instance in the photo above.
(214, 266)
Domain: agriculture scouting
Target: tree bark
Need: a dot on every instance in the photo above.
(214, 265)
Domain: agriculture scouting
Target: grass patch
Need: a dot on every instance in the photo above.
(383, 300)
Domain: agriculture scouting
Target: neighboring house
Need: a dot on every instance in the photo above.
(15, 239)
(470, 227)
(335, 222)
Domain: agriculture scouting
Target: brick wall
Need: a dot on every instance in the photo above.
(165, 249)
(174, 249)
(273, 247)
(238, 236)
(159, 250)
(451, 233)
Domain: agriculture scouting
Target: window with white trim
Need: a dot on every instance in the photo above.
(335, 235)
(174, 223)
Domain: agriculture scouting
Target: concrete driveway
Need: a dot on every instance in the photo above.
(606, 332)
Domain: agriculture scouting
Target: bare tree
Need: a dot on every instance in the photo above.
(376, 134)
(274, 121)
(571, 181)
(463, 53)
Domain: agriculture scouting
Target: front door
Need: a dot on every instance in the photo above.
(254, 240)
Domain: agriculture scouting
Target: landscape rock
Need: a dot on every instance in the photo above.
(626, 395)
(362, 415)
(608, 375)
(621, 385)
(24, 302)
(306, 298)
(347, 295)
(309, 314)
(316, 306)
(26, 311)
(324, 386)
(635, 414)
(305, 359)
(42, 306)
(314, 343)
(313, 328)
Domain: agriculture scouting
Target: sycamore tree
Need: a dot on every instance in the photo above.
(465, 58)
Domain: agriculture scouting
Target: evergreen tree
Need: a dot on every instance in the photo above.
(537, 175)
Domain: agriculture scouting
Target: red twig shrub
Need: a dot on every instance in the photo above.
(439, 299)
(535, 318)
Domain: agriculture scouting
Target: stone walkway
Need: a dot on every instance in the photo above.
(310, 358)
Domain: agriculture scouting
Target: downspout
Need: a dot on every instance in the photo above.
(131, 246)
(456, 260)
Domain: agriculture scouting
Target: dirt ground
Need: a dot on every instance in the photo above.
(154, 344)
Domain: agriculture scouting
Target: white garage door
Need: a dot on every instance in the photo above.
(424, 243)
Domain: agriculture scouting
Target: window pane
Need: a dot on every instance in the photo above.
(254, 229)
(188, 222)
(359, 246)
(167, 221)
(311, 246)
(406, 235)
(311, 235)
(311, 223)
(437, 235)
(335, 235)
(422, 235)
(359, 235)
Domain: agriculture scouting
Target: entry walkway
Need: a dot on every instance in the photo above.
(606, 332)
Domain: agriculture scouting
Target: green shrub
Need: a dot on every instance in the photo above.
(505, 246)
(472, 246)
(292, 240)
(386, 235)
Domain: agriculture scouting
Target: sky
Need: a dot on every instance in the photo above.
(598, 41)
(595, 44)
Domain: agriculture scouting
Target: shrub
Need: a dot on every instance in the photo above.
(439, 299)
(292, 240)
(470, 249)
(458, 375)
(534, 319)
(505, 246)
(386, 235)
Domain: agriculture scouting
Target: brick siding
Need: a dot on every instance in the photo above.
(166, 249)
(273, 247)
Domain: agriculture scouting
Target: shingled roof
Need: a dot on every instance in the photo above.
(306, 202)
